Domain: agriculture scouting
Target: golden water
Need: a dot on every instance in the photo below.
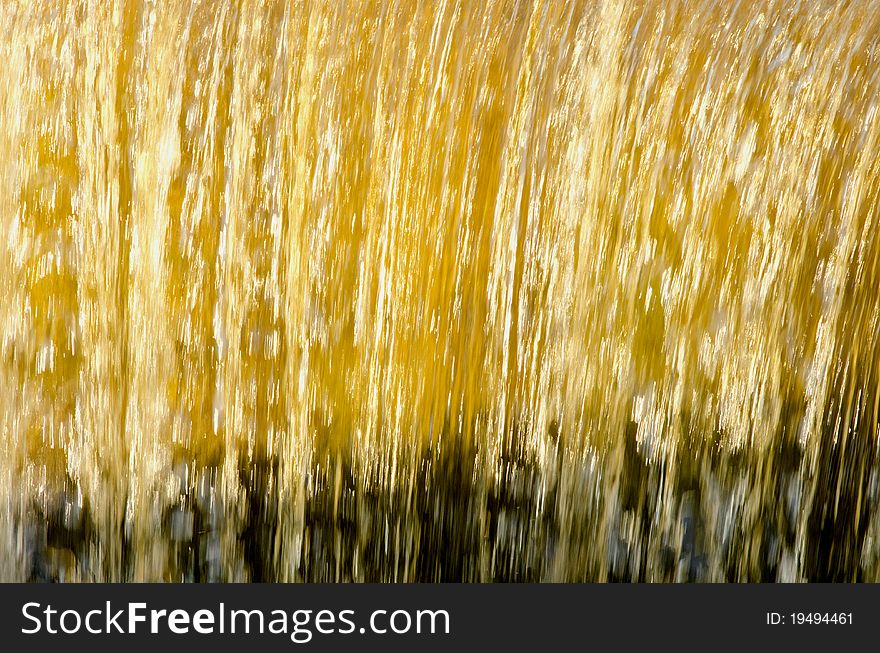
(451, 290)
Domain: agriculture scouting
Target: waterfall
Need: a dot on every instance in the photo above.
(442, 290)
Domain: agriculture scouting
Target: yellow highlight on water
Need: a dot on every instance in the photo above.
(453, 290)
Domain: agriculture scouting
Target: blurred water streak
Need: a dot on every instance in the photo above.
(387, 290)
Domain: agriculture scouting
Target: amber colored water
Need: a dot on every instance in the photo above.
(389, 290)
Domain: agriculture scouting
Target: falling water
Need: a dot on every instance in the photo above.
(388, 290)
